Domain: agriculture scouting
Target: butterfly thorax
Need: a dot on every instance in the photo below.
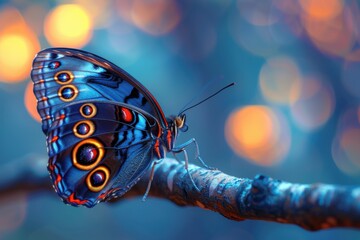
(175, 123)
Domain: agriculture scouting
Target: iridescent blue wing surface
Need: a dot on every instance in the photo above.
(102, 126)
(98, 150)
(63, 75)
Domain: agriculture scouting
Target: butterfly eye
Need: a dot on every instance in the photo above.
(84, 129)
(87, 154)
(97, 179)
(62, 77)
(88, 110)
(68, 93)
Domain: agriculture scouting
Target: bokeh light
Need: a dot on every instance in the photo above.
(156, 17)
(315, 104)
(18, 46)
(280, 80)
(346, 144)
(68, 25)
(322, 9)
(259, 134)
(30, 102)
(12, 212)
(98, 11)
(331, 33)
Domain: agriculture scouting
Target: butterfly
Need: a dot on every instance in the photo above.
(103, 128)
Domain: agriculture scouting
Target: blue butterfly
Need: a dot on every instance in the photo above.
(103, 128)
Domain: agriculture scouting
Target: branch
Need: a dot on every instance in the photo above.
(313, 207)
(25, 175)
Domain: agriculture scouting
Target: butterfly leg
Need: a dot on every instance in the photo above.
(150, 179)
(179, 150)
(182, 147)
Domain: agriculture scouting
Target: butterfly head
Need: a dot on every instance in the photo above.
(177, 123)
(180, 122)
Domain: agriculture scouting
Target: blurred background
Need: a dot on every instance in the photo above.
(294, 113)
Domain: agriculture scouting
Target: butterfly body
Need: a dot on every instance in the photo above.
(103, 128)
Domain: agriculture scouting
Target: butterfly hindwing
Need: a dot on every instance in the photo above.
(98, 150)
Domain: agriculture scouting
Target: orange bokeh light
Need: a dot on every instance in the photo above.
(156, 17)
(18, 46)
(68, 25)
(255, 128)
(254, 132)
(333, 35)
(322, 9)
(30, 102)
(98, 11)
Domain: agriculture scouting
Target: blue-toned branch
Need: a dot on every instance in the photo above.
(313, 207)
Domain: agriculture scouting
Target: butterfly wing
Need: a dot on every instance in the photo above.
(63, 75)
(87, 106)
(98, 150)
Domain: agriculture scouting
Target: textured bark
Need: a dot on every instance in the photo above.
(313, 206)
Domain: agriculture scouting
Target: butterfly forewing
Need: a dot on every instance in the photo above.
(62, 76)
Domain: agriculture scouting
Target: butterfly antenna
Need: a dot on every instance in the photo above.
(212, 95)
(200, 93)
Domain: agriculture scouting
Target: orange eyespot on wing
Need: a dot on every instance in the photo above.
(98, 178)
(84, 129)
(87, 154)
(68, 93)
(63, 77)
(88, 110)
